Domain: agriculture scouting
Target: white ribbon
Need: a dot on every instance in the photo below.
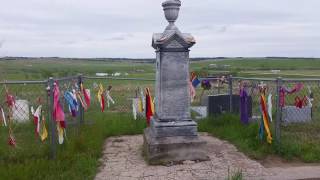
(109, 99)
(37, 114)
(4, 118)
(134, 108)
(270, 106)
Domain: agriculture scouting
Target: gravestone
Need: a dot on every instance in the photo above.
(172, 136)
(293, 114)
(220, 104)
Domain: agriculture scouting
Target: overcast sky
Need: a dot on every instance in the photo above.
(123, 28)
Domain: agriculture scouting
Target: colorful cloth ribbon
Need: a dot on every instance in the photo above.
(86, 94)
(100, 96)
(60, 131)
(82, 102)
(12, 141)
(283, 91)
(149, 106)
(109, 98)
(206, 85)
(194, 80)
(10, 100)
(3, 117)
(244, 113)
(58, 114)
(142, 101)
(270, 106)
(310, 97)
(192, 91)
(264, 125)
(72, 103)
(36, 118)
(135, 105)
(299, 103)
(44, 132)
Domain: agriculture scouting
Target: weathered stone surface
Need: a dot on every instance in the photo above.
(122, 159)
(173, 128)
(173, 150)
(173, 99)
(172, 136)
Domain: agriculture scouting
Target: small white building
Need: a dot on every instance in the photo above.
(102, 74)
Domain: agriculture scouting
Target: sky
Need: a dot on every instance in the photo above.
(124, 28)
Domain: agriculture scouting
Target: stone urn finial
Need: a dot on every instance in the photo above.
(171, 11)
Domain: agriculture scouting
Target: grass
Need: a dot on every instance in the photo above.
(228, 127)
(298, 142)
(236, 175)
(76, 159)
(254, 67)
(301, 141)
(42, 69)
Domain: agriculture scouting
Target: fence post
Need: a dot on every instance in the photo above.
(278, 112)
(230, 94)
(81, 109)
(53, 136)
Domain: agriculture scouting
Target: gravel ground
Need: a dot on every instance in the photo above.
(122, 160)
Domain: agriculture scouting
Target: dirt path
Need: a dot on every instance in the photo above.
(122, 160)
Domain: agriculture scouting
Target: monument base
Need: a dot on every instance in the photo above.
(163, 146)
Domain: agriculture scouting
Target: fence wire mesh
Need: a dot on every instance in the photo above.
(300, 113)
(28, 96)
(252, 87)
(121, 91)
(295, 103)
(69, 85)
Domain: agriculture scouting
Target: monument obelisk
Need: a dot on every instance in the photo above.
(172, 136)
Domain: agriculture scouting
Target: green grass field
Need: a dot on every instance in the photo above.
(42, 69)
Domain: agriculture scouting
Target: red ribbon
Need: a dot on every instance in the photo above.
(299, 103)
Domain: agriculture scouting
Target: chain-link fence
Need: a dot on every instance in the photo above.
(300, 112)
(291, 105)
(27, 103)
(118, 93)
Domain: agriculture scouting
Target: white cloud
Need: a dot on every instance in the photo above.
(123, 28)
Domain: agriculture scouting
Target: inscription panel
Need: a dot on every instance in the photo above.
(173, 86)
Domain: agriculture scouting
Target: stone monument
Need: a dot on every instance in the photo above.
(172, 136)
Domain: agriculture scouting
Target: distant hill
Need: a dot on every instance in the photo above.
(148, 60)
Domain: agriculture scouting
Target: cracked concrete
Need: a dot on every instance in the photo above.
(122, 160)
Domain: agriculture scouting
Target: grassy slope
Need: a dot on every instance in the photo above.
(36, 69)
(288, 67)
(264, 64)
